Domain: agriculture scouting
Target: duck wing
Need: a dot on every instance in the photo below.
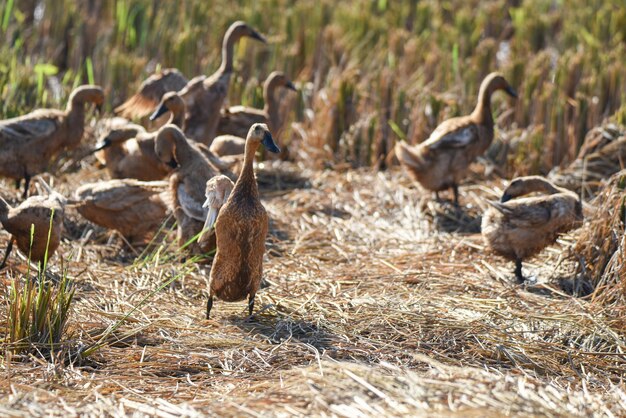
(190, 205)
(37, 125)
(525, 213)
(143, 102)
(453, 133)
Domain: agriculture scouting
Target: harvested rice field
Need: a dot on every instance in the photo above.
(379, 295)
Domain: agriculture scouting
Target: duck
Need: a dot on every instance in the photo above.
(225, 145)
(150, 93)
(240, 231)
(47, 131)
(519, 227)
(236, 120)
(205, 96)
(45, 214)
(136, 209)
(192, 169)
(128, 151)
(442, 161)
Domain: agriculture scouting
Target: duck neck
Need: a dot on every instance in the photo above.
(228, 47)
(482, 111)
(184, 152)
(76, 120)
(177, 118)
(270, 108)
(246, 180)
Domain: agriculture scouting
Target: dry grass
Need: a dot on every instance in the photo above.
(373, 308)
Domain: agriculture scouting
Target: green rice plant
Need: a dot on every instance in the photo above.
(38, 310)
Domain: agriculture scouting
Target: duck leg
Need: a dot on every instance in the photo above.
(455, 190)
(6, 254)
(250, 304)
(209, 306)
(437, 196)
(27, 183)
(518, 271)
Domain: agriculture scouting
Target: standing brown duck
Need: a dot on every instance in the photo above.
(240, 231)
(442, 161)
(27, 143)
(136, 209)
(204, 97)
(187, 183)
(520, 228)
(236, 120)
(36, 211)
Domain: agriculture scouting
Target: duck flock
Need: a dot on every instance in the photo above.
(197, 164)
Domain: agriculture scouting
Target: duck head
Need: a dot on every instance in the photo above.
(87, 94)
(524, 185)
(278, 79)
(496, 81)
(259, 133)
(218, 189)
(240, 29)
(117, 136)
(171, 102)
(165, 144)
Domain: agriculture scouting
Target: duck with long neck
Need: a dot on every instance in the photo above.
(27, 143)
(204, 97)
(442, 161)
(240, 232)
(236, 120)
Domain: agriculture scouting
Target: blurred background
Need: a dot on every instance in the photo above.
(370, 72)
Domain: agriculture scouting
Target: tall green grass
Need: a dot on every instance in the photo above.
(38, 311)
(364, 65)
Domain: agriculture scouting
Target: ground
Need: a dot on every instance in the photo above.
(379, 301)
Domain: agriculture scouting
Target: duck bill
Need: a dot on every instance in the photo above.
(211, 217)
(256, 35)
(510, 91)
(505, 198)
(161, 110)
(269, 144)
(105, 143)
(290, 86)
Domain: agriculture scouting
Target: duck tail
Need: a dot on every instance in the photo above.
(412, 157)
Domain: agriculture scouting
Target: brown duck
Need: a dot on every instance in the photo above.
(520, 227)
(136, 209)
(46, 131)
(236, 120)
(240, 230)
(204, 97)
(442, 160)
(128, 151)
(36, 211)
(187, 183)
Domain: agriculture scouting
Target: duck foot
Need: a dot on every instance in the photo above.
(209, 306)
